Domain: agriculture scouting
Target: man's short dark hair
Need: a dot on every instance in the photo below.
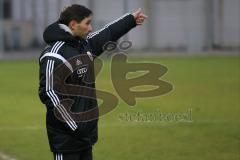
(74, 12)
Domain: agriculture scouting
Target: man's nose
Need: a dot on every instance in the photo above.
(90, 28)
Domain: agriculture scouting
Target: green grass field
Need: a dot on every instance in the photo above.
(210, 86)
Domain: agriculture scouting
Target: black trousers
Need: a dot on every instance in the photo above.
(85, 154)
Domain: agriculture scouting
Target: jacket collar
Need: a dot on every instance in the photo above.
(65, 28)
(61, 32)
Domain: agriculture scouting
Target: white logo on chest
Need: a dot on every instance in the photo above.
(81, 71)
(78, 62)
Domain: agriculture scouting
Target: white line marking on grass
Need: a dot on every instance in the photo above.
(6, 157)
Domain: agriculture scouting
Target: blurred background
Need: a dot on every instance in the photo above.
(174, 25)
(197, 40)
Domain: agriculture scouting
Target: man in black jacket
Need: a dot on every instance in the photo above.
(66, 39)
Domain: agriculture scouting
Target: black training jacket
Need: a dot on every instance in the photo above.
(65, 133)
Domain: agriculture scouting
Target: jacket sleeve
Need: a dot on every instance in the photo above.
(47, 91)
(111, 32)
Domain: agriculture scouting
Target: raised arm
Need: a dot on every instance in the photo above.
(114, 30)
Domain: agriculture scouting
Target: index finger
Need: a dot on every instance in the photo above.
(143, 15)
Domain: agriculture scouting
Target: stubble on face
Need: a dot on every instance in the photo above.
(83, 28)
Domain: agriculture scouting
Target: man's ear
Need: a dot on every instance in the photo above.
(72, 24)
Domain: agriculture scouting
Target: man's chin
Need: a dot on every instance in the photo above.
(85, 36)
(82, 37)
